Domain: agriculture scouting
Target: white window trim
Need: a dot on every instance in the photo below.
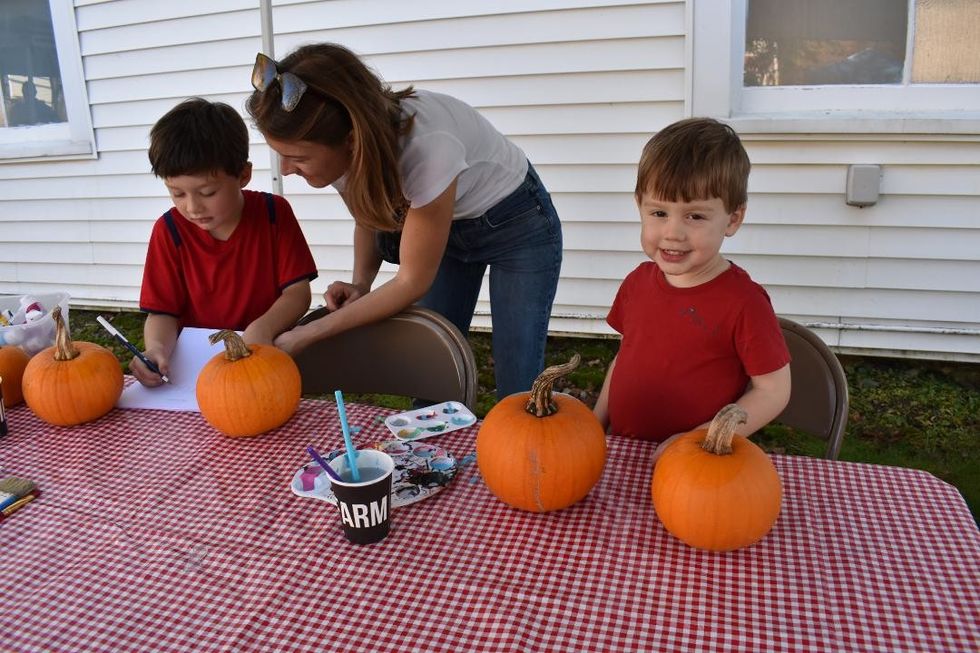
(716, 70)
(74, 139)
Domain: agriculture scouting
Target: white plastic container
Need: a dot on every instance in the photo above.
(38, 334)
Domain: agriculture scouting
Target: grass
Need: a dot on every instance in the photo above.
(905, 413)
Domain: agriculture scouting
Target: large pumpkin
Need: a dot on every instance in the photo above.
(248, 389)
(540, 451)
(13, 361)
(714, 489)
(71, 382)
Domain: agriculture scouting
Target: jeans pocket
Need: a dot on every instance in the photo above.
(525, 212)
(521, 204)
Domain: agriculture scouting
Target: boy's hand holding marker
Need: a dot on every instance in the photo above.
(143, 368)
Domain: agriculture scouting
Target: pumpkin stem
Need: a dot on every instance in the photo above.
(235, 347)
(539, 403)
(722, 429)
(64, 348)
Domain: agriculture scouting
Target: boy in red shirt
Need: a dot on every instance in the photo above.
(222, 257)
(698, 333)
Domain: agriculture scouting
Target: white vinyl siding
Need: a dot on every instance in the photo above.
(580, 86)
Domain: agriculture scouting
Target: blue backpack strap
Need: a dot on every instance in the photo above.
(270, 203)
(168, 218)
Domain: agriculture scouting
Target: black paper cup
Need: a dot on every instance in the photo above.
(364, 508)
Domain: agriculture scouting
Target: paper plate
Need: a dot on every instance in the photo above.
(421, 470)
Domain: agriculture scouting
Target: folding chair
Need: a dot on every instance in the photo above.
(818, 401)
(416, 353)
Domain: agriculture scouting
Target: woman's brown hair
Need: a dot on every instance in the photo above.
(344, 97)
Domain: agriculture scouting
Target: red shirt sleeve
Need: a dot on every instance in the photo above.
(618, 311)
(758, 336)
(163, 289)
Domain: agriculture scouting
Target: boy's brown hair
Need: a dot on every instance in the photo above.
(199, 137)
(695, 159)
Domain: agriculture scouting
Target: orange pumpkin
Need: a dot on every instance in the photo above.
(540, 451)
(71, 382)
(249, 389)
(714, 489)
(13, 361)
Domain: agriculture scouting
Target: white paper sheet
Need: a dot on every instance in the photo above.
(192, 352)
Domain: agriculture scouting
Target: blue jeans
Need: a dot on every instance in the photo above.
(520, 240)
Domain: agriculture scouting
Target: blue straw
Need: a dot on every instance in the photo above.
(355, 474)
(318, 459)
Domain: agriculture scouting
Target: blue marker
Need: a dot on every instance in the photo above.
(131, 347)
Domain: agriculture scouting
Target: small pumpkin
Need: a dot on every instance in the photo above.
(70, 382)
(248, 389)
(714, 489)
(13, 361)
(541, 451)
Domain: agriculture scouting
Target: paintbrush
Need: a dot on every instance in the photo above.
(12, 489)
(18, 504)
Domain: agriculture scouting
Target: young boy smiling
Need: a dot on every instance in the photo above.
(222, 257)
(698, 333)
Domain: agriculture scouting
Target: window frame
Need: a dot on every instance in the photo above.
(74, 139)
(716, 52)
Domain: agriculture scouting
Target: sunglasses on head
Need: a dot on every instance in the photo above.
(266, 71)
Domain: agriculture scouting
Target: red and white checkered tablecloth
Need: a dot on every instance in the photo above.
(155, 533)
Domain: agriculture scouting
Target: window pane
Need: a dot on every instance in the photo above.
(30, 79)
(807, 42)
(946, 37)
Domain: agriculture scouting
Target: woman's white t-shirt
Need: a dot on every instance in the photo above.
(451, 140)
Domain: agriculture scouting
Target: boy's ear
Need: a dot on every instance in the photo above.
(246, 175)
(735, 220)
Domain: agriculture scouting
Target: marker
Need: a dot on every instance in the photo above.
(131, 347)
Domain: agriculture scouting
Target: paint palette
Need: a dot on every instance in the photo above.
(430, 421)
(421, 470)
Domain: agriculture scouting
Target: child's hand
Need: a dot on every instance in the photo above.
(662, 447)
(340, 293)
(143, 373)
(254, 334)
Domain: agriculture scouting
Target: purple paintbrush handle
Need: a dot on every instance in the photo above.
(322, 463)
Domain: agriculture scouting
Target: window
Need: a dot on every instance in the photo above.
(901, 64)
(44, 110)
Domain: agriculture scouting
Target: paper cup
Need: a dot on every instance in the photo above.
(365, 507)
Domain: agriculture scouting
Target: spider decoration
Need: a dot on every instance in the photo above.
(429, 478)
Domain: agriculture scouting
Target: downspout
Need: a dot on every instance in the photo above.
(269, 49)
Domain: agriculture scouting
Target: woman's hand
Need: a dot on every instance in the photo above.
(340, 293)
(295, 340)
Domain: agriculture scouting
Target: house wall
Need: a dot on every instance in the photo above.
(580, 86)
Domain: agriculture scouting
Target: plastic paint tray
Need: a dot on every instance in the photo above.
(421, 470)
(430, 421)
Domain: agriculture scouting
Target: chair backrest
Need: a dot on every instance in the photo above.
(416, 353)
(818, 401)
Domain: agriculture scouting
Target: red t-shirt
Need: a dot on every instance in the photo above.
(686, 352)
(218, 284)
